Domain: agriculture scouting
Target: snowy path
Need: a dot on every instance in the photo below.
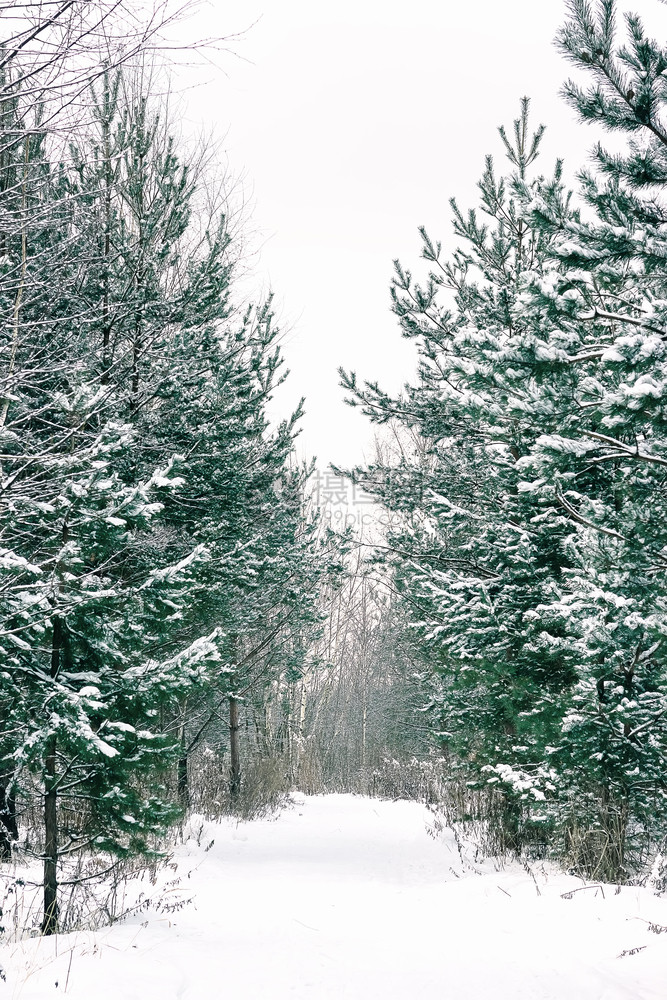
(343, 897)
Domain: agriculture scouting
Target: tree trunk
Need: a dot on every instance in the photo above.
(182, 774)
(614, 822)
(364, 723)
(9, 830)
(5, 846)
(235, 769)
(302, 708)
(50, 921)
(50, 918)
(108, 183)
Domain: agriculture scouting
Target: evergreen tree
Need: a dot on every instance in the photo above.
(155, 533)
(606, 280)
(83, 608)
(468, 559)
(524, 553)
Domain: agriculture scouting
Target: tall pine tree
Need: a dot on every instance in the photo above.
(524, 554)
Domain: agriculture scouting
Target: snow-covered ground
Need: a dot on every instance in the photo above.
(346, 897)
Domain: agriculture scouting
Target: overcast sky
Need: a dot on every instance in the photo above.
(352, 124)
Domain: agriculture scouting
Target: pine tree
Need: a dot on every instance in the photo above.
(158, 543)
(470, 560)
(606, 281)
(525, 555)
(48, 413)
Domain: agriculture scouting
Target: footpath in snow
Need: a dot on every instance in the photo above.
(346, 897)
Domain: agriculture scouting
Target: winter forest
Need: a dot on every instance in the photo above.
(192, 653)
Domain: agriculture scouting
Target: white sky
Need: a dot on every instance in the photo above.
(352, 124)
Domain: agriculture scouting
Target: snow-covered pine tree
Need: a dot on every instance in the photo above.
(196, 376)
(244, 500)
(79, 601)
(523, 553)
(158, 543)
(605, 283)
(471, 558)
(69, 520)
